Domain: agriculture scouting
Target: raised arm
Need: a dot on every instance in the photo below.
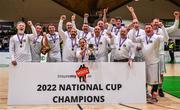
(61, 32)
(105, 15)
(86, 15)
(110, 38)
(110, 26)
(60, 26)
(165, 33)
(131, 10)
(73, 18)
(175, 25)
(33, 30)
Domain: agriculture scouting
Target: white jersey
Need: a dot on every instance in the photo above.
(36, 48)
(162, 32)
(69, 49)
(67, 34)
(69, 45)
(116, 31)
(173, 28)
(122, 48)
(20, 51)
(133, 34)
(84, 57)
(19, 46)
(54, 43)
(84, 35)
(150, 48)
(103, 31)
(101, 47)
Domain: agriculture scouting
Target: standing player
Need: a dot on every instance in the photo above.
(70, 43)
(19, 46)
(150, 43)
(100, 43)
(133, 34)
(54, 43)
(36, 44)
(82, 53)
(123, 48)
(159, 29)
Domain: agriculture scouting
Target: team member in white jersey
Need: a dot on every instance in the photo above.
(133, 34)
(70, 44)
(36, 44)
(54, 43)
(19, 46)
(100, 43)
(116, 29)
(69, 26)
(82, 53)
(123, 49)
(150, 47)
(85, 32)
(159, 29)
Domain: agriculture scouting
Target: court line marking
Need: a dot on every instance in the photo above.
(130, 106)
(79, 106)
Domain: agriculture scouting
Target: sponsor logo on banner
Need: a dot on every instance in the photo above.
(82, 72)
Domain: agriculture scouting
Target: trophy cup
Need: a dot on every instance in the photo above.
(45, 48)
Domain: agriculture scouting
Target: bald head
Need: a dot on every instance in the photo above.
(135, 23)
(123, 32)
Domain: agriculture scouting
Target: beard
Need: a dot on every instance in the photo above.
(85, 30)
(97, 34)
(82, 46)
(73, 35)
(123, 34)
(20, 31)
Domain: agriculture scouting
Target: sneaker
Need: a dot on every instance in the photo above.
(152, 100)
(148, 95)
(149, 100)
(161, 94)
(154, 97)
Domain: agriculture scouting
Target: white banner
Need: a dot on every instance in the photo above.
(58, 83)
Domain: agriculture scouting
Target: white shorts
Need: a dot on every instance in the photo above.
(153, 74)
(162, 64)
